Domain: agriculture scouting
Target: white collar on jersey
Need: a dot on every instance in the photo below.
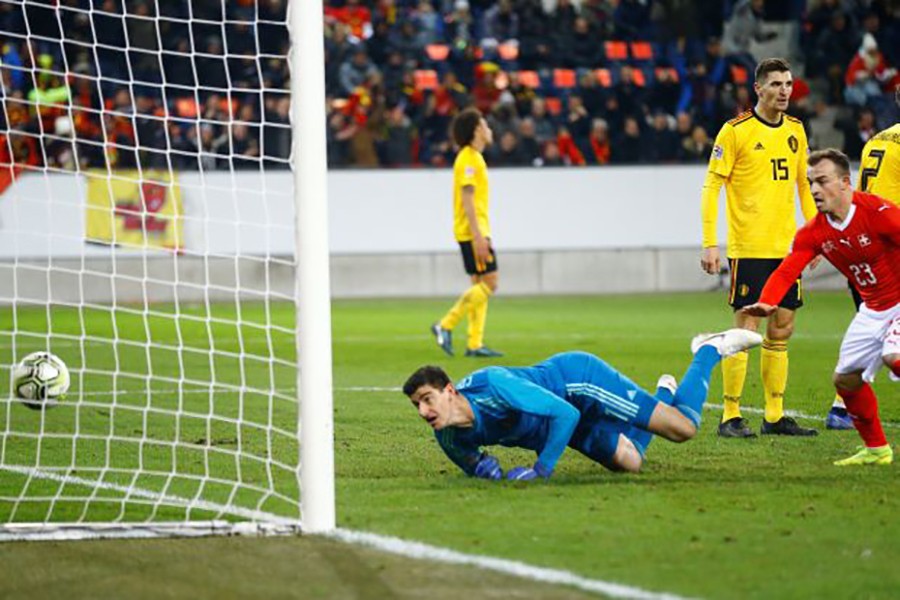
(842, 225)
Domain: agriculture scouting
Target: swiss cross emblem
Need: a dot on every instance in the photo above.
(827, 246)
(863, 240)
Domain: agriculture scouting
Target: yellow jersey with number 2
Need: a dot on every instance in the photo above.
(879, 166)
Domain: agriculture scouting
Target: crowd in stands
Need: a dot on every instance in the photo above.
(204, 85)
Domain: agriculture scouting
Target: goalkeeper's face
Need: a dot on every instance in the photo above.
(434, 405)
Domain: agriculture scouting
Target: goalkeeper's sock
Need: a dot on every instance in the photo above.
(478, 305)
(460, 308)
(773, 363)
(863, 407)
(692, 390)
(734, 372)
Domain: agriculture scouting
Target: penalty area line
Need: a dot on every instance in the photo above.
(422, 551)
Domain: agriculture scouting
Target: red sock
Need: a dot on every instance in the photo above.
(863, 407)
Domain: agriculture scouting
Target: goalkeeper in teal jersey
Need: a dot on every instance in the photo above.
(571, 399)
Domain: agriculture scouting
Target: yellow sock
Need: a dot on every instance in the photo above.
(734, 372)
(774, 370)
(478, 316)
(462, 306)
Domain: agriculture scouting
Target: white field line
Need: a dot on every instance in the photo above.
(418, 550)
(392, 545)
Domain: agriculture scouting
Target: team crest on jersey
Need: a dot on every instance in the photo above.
(828, 246)
(718, 152)
(793, 144)
(759, 146)
(470, 171)
(743, 290)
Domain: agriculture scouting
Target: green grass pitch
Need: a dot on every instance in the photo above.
(710, 518)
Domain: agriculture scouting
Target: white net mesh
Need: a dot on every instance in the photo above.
(146, 238)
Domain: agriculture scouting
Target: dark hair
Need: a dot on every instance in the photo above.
(427, 375)
(771, 65)
(464, 126)
(840, 160)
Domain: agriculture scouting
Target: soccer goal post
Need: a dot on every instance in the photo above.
(163, 231)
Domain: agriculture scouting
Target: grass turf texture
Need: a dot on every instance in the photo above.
(713, 518)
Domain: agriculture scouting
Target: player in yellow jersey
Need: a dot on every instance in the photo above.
(879, 174)
(472, 229)
(760, 158)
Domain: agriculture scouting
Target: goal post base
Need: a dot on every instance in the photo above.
(100, 531)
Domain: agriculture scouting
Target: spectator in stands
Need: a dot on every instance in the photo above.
(578, 121)
(357, 17)
(485, 93)
(378, 46)
(400, 139)
(598, 142)
(592, 95)
(600, 14)
(662, 143)
(833, 51)
(630, 97)
(632, 19)
(665, 92)
(406, 41)
(629, 148)
(536, 50)
(429, 24)
(551, 156)
(868, 75)
(458, 25)
(857, 132)
(357, 71)
(544, 128)
(529, 145)
(562, 20)
(507, 152)
(697, 147)
(501, 23)
(744, 26)
(581, 49)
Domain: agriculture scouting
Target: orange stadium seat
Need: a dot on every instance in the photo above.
(425, 79)
(739, 74)
(554, 105)
(186, 107)
(639, 78)
(529, 79)
(564, 78)
(508, 51)
(641, 51)
(616, 50)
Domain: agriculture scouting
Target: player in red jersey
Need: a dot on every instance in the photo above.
(859, 234)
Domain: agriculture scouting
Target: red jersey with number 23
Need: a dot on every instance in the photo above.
(865, 247)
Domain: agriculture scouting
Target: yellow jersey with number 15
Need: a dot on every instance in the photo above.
(879, 166)
(764, 165)
(470, 169)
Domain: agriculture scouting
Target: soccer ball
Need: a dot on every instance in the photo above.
(40, 380)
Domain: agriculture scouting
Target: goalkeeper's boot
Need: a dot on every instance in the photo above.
(838, 418)
(483, 352)
(786, 426)
(728, 342)
(868, 456)
(736, 427)
(443, 337)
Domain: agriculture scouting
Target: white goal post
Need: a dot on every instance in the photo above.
(164, 231)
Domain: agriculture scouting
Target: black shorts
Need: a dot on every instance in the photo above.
(749, 275)
(468, 254)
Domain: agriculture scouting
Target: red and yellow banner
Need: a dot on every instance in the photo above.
(134, 209)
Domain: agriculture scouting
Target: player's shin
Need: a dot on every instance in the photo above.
(694, 385)
(734, 372)
(863, 407)
(461, 307)
(478, 315)
(774, 371)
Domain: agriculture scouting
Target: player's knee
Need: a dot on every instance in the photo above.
(683, 432)
(849, 382)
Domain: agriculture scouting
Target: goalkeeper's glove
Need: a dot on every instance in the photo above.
(529, 473)
(488, 468)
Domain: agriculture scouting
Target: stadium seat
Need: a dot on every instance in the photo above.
(639, 78)
(425, 79)
(529, 79)
(604, 78)
(508, 51)
(187, 107)
(616, 51)
(641, 51)
(564, 79)
(739, 75)
(554, 105)
(437, 52)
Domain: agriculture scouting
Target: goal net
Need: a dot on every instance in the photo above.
(150, 236)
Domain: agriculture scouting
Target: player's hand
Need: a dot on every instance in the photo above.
(482, 249)
(529, 473)
(489, 468)
(709, 260)
(815, 262)
(759, 309)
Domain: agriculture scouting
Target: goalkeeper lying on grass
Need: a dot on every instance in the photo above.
(571, 399)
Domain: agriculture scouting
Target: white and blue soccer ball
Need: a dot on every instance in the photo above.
(40, 380)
